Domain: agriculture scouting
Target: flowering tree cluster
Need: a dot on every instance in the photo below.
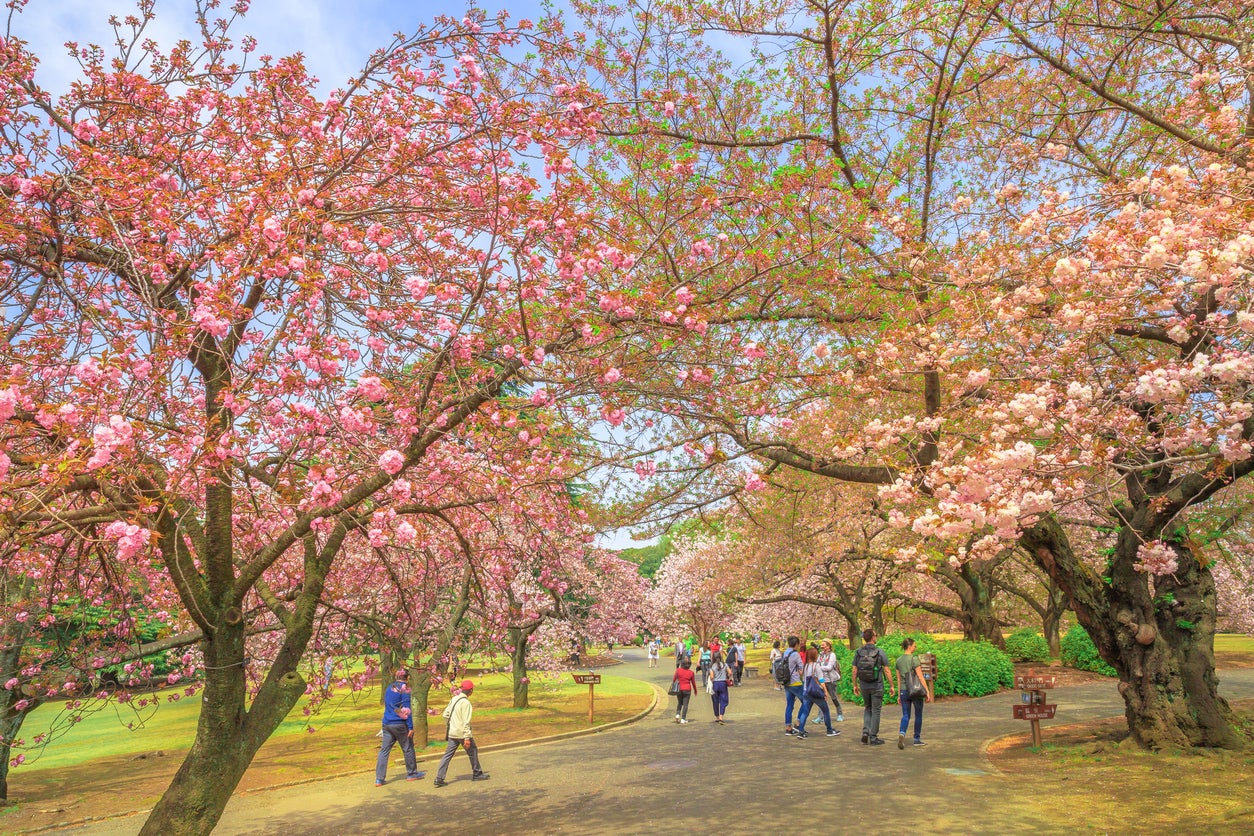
(1002, 252)
(254, 332)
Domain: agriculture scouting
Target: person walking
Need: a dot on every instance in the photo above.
(812, 694)
(398, 727)
(775, 654)
(913, 689)
(720, 678)
(792, 691)
(681, 650)
(460, 736)
(686, 681)
(740, 660)
(870, 672)
(653, 654)
(729, 659)
(829, 670)
(706, 657)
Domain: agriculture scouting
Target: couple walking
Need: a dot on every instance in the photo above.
(872, 672)
(718, 677)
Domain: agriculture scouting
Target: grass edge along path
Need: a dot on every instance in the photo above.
(32, 813)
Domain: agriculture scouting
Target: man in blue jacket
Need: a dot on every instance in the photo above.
(398, 727)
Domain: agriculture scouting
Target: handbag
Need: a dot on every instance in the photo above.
(814, 690)
(709, 685)
(674, 690)
(917, 689)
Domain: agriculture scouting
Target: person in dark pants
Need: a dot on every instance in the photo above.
(740, 660)
(398, 727)
(687, 685)
(720, 678)
(813, 695)
(792, 691)
(870, 672)
(914, 689)
(459, 735)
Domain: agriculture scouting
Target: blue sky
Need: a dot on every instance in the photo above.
(335, 37)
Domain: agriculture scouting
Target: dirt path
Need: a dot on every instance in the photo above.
(655, 776)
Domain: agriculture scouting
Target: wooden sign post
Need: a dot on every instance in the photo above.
(591, 680)
(929, 669)
(1033, 706)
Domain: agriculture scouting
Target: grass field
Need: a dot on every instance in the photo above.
(101, 767)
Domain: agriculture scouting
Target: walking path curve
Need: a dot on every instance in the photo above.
(659, 777)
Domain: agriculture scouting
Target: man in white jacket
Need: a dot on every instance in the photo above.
(459, 734)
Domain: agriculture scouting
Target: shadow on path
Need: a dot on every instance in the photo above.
(659, 777)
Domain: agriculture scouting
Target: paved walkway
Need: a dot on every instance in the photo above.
(659, 777)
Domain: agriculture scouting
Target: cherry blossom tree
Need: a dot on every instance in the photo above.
(1010, 247)
(689, 593)
(240, 314)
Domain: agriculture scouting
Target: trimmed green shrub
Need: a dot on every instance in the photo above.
(1078, 651)
(974, 669)
(1027, 645)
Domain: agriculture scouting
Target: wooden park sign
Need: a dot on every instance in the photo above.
(591, 680)
(1033, 707)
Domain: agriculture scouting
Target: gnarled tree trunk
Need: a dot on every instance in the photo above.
(518, 637)
(1162, 644)
(228, 734)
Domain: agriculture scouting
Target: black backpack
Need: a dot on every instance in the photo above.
(781, 668)
(867, 664)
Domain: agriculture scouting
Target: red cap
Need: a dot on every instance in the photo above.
(466, 685)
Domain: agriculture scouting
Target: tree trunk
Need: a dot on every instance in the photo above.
(976, 594)
(228, 734)
(11, 721)
(1162, 645)
(1051, 620)
(877, 615)
(387, 667)
(853, 631)
(518, 638)
(419, 699)
(11, 718)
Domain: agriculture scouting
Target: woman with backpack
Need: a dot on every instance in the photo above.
(914, 688)
(705, 657)
(720, 678)
(683, 685)
(812, 694)
(829, 675)
(775, 654)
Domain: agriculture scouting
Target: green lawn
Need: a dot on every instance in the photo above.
(1234, 643)
(172, 725)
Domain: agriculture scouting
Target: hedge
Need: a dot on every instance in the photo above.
(1027, 645)
(974, 669)
(1078, 651)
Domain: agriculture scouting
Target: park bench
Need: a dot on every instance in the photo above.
(750, 673)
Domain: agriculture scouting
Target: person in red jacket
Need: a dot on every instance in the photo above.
(687, 686)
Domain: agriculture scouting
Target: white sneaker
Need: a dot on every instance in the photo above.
(685, 722)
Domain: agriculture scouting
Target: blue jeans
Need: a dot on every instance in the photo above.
(793, 695)
(917, 702)
(719, 697)
(807, 703)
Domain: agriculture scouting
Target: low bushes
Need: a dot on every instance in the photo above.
(1078, 651)
(973, 669)
(1027, 645)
